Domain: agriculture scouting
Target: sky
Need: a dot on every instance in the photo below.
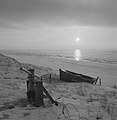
(56, 24)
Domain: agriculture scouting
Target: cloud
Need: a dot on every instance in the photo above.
(61, 12)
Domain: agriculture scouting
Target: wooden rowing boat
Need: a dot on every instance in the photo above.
(68, 76)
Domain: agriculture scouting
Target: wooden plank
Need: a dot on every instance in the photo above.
(48, 95)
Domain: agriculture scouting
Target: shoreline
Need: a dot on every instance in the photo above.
(107, 72)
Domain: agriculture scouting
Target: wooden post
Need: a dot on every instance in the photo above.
(39, 93)
(35, 89)
(41, 78)
(100, 81)
(50, 78)
(30, 86)
(96, 80)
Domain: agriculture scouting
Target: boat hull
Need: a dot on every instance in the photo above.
(69, 76)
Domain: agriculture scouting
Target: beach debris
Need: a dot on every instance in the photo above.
(35, 89)
(11, 106)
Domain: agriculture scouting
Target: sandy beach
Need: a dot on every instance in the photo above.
(13, 105)
(107, 72)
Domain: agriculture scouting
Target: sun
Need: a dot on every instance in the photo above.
(77, 39)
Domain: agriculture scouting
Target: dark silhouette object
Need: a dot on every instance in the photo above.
(11, 106)
(31, 96)
(50, 78)
(30, 86)
(35, 89)
(115, 87)
(69, 76)
(39, 94)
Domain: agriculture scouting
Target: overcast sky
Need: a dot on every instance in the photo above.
(46, 24)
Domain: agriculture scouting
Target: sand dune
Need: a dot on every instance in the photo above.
(13, 104)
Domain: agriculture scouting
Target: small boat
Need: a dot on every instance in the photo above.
(69, 76)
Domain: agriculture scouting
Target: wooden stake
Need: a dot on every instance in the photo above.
(50, 78)
(100, 82)
(30, 86)
(39, 93)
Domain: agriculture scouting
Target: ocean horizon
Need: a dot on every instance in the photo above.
(98, 56)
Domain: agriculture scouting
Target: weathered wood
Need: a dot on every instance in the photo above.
(39, 93)
(30, 86)
(50, 77)
(100, 81)
(96, 80)
(48, 95)
(69, 76)
(28, 72)
(41, 77)
(36, 89)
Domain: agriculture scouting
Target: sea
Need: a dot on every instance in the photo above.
(91, 55)
(102, 56)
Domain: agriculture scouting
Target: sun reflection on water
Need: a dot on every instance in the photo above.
(77, 54)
